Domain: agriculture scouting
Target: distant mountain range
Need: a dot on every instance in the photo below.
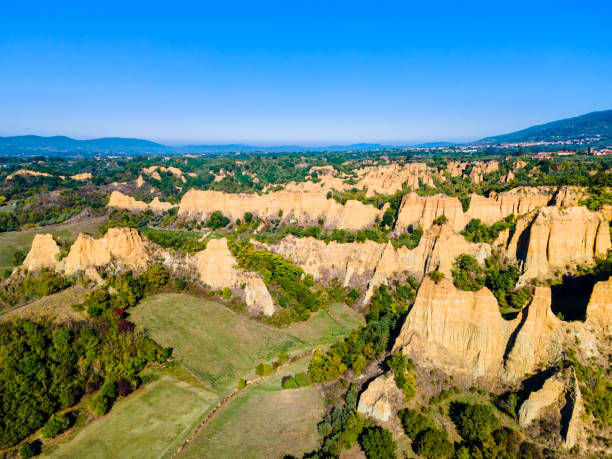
(61, 145)
(593, 128)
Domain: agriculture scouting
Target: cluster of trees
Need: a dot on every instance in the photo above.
(289, 285)
(476, 231)
(365, 344)
(46, 368)
(127, 291)
(41, 209)
(480, 430)
(499, 278)
(402, 371)
(186, 241)
(599, 196)
(344, 426)
(32, 286)
(298, 380)
(596, 389)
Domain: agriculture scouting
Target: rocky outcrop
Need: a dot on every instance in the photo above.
(455, 330)
(295, 207)
(369, 264)
(574, 408)
(120, 201)
(599, 309)
(44, 253)
(216, 267)
(463, 332)
(557, 240)
(421, 211)
(82, 177)
(123, 246)
(26, 172)
(536, 339)
(381, 399)
(538, 400)
(153, 172)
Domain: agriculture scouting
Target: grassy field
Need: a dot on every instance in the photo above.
(18, 240)
(57, 306)
(263, 421)
(220, 346)
(150, 423)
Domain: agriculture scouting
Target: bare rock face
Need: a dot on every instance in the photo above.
(463, 332)
(560, 239)
(536, 339)
(43, 254)
(575, 408)
(599, 309)
(217, 268)
(297, 207)
(351, 263)
(455, 330)
(548, 395)
(370, 264)
(123, 245)
(26, 172)
(82, 177)
(421, 211)
(380, 399)
(121, 201)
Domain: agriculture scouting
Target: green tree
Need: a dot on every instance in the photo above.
(56, 424)
(378, 443)
(434, 444)
(217, 220)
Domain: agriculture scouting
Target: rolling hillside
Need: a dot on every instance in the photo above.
(595, 126)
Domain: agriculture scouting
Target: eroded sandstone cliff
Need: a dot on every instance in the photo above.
(289, 206)
(43, 253)
(558, 240)
(120, 201)
(121, 245)
(217, 268)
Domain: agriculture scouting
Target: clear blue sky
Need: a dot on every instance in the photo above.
(304, 72)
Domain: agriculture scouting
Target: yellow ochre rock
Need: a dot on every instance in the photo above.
(44, 253)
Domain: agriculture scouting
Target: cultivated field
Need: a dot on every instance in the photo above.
(263, 421)
(220, 346)
(150, 423)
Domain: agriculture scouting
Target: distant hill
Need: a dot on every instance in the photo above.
(595, 126)
(34, 144)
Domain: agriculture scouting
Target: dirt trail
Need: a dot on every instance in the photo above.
(231, 395)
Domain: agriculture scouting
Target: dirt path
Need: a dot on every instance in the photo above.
(231, 395)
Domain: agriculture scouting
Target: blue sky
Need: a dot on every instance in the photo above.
(305, 72)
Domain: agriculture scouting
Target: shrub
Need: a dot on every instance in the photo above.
(468, 275)
(302, 379)
(378, 443)
(124, 387)
(109, 390)
(283, 357)
(263, 369)
(29, 449)
(56, 424)
(475, 422)
(125, 326)
(99, 404)
(179, 284)
(414, 422)
(441, 220)
(217, 220)
(226, 293)
(436, 276)
(434, 444)
(288, 382)
(157, 276)
(354, 425)
(241, 383)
